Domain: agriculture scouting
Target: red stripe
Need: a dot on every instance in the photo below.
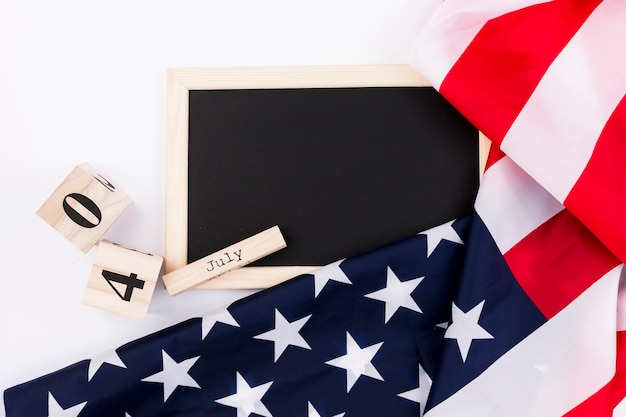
(599, 196)
(604, 401)
(497, 73)
(559, 260)
(495, 154)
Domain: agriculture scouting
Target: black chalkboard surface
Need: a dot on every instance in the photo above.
(340, 169)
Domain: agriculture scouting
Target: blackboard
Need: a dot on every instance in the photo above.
(342, 159)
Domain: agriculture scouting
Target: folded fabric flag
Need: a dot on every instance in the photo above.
(545, 81)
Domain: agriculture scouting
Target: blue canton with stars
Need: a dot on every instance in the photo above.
(360, 337)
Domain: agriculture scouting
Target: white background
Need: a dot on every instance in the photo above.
(84, 81)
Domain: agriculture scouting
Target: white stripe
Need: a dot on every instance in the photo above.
(556, 131)
(512, 204)
(620, 410)
(554, 369)
(450, 31)
(621, 304)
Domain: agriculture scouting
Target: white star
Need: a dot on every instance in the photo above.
(435, 235)
(111, 357)
(313, 412)
(465, 328)
(247, 400)
(419, 394)
(396, 294)
(357, 361)
(327, 273)
(174, 375)
(443, 325)
(222, 315)
(285, 333)
(55, 410)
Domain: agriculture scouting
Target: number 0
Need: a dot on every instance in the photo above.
(88, 204)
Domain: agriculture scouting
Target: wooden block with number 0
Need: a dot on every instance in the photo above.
(122, 280)
(83, 206)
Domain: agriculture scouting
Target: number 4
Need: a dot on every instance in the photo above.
(131, 282)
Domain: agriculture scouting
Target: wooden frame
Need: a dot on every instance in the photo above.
(181, 80)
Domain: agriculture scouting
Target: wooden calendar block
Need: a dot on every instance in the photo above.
(122, 280)
(219, 263)
(84, 206)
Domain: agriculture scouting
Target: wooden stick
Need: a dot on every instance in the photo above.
(222, 261)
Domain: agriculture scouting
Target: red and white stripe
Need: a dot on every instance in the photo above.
(545, 81)
(573, 279)
(610, 401)
(553, 256)
(450, 31)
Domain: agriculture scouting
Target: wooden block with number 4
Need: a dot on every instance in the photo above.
(83, 206)
(122, 280)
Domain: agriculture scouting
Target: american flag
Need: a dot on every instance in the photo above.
(514, 310)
